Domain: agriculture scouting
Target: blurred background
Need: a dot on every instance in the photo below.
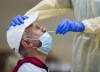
(59, 59)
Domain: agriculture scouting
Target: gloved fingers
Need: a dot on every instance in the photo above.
(12, 24)
(16, 20)
(62, 26)
(65, 26)
(25, 17)
(8, 27)
(64, 29)
(59, 29)
(69, 27)
(20, 20)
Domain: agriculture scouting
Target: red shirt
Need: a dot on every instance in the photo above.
(32, 60)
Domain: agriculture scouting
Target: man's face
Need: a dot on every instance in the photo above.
(34, 32)
(35, 40)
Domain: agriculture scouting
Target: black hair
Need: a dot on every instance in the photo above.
(40, 43)
(21, 48)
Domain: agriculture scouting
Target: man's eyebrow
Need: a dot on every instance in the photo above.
(35, 26)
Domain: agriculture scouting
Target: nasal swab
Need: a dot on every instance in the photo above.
(51, 31)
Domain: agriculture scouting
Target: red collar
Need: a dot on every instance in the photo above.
(32, 60)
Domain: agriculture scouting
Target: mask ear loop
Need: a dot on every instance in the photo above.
(40, 43)
(33, 37)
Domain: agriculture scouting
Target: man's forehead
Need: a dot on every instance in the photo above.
(34, 24)
(31, 26)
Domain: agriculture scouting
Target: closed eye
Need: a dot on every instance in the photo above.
(38, 27)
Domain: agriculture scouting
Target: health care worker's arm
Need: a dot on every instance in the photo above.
(92, 25)
(51, 8)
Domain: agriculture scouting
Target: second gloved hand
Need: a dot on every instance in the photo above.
(68, 25)
(18, 20)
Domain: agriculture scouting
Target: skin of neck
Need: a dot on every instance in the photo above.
(33, 52)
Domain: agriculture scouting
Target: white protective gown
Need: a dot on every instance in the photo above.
(86, 46)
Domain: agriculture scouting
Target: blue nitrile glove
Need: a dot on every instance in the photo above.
(18, 20)
(68, 25)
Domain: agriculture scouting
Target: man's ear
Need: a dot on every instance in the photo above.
(27, 43)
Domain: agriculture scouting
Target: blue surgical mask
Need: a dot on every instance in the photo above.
(46, 40)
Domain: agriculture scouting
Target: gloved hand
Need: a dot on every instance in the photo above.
(18, 20)
(68, 25)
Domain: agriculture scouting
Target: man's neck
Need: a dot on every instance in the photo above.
(41, 58)
(38, 55)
